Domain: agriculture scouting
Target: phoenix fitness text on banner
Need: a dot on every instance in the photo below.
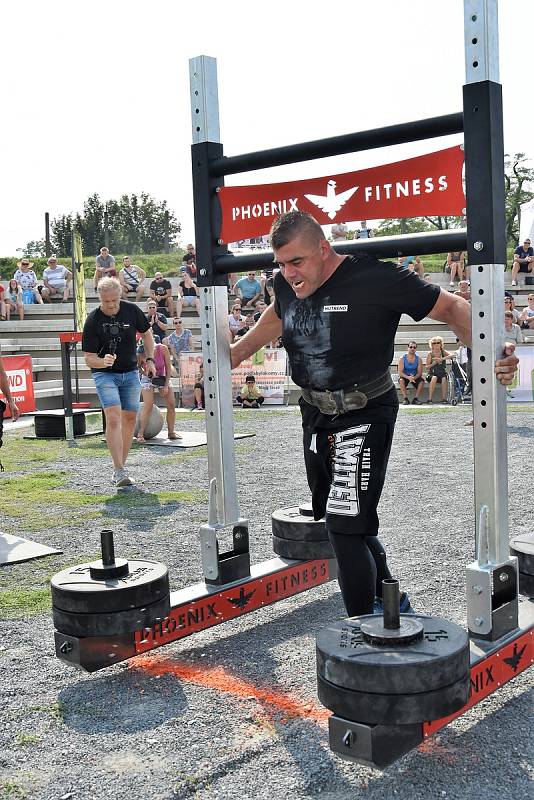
(429, 185)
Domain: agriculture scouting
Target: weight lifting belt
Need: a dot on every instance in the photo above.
(351, 398)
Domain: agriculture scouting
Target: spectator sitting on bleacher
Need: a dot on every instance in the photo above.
(249, 323)
(157, 321)
(456, 266)
(161, 292)
(198, 390)
(190, 257)
(250, 395)
(437, 373)
(57, 280)
(13, 300)
(523, 260)
(509, 305)
(260, 307)
(187, 293)
(3, 307)
(463, 290)
(248, 289)
(162, 382)
(132, 278)
(104, 266)
(527, 315)
(410, 369)
(412, 263)
(27, 279)
(235, 320)
(511, 330)
(179, 341)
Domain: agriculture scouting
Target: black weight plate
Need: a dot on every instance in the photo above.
(73, 589)
(522, 546)
(302, 551)
(289, 523)
(111, 624)
(526, 584)
(439, 659)
(394, 709)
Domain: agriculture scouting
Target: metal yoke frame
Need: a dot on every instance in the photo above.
(502, 646)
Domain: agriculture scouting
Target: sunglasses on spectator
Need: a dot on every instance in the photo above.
(25, 263)
(412, 347)
(177, 321)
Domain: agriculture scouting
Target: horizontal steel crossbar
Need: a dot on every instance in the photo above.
(337, 145)
(380, 246)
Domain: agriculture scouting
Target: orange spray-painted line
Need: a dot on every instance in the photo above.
(218, 678)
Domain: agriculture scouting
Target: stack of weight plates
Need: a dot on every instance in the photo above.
(397, 683)
(296, 535)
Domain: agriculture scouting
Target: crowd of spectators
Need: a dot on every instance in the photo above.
(251, 295)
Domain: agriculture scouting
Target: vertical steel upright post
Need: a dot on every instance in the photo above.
(492, 578)
(223, 504)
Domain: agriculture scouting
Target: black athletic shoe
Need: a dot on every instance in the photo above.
(405, 402)
(416, 402)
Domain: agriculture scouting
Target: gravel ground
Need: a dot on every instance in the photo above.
(158, 726)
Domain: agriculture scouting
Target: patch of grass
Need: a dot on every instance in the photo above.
(54, 709)
(184, 455)
(10, 789)
(21, 452)
(429, 410)
(24, 602)
(26, 738)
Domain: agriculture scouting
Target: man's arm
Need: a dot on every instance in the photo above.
(6, 391)
(268, 328)
(148, 342)
(253, 299)
(400, 366)
(456, 312)
(94, 361)
(121, 278)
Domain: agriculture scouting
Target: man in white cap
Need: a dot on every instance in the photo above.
(57, 279)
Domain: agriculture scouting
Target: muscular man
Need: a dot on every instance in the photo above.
(109, 344)
(338, 316)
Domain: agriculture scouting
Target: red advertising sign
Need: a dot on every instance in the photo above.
(20, 376)
(217, 607)
(429, 185)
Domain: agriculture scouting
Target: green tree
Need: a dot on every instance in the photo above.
(518, 176)
(135, 224)
(34, 249)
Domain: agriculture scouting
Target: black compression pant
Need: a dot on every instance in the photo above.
(361, 569)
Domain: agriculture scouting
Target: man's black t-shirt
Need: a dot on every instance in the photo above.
(160, 287)
(344, 333)
(103, 334)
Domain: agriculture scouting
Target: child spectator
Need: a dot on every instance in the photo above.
(13, 300)
(250, 396)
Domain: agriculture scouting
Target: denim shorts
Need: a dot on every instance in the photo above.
(118, 389)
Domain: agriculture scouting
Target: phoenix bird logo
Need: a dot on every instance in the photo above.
(515, 658)
(242, 600)
(332, 202)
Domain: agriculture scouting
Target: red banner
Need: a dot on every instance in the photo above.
(429, 185)
(20, 376)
